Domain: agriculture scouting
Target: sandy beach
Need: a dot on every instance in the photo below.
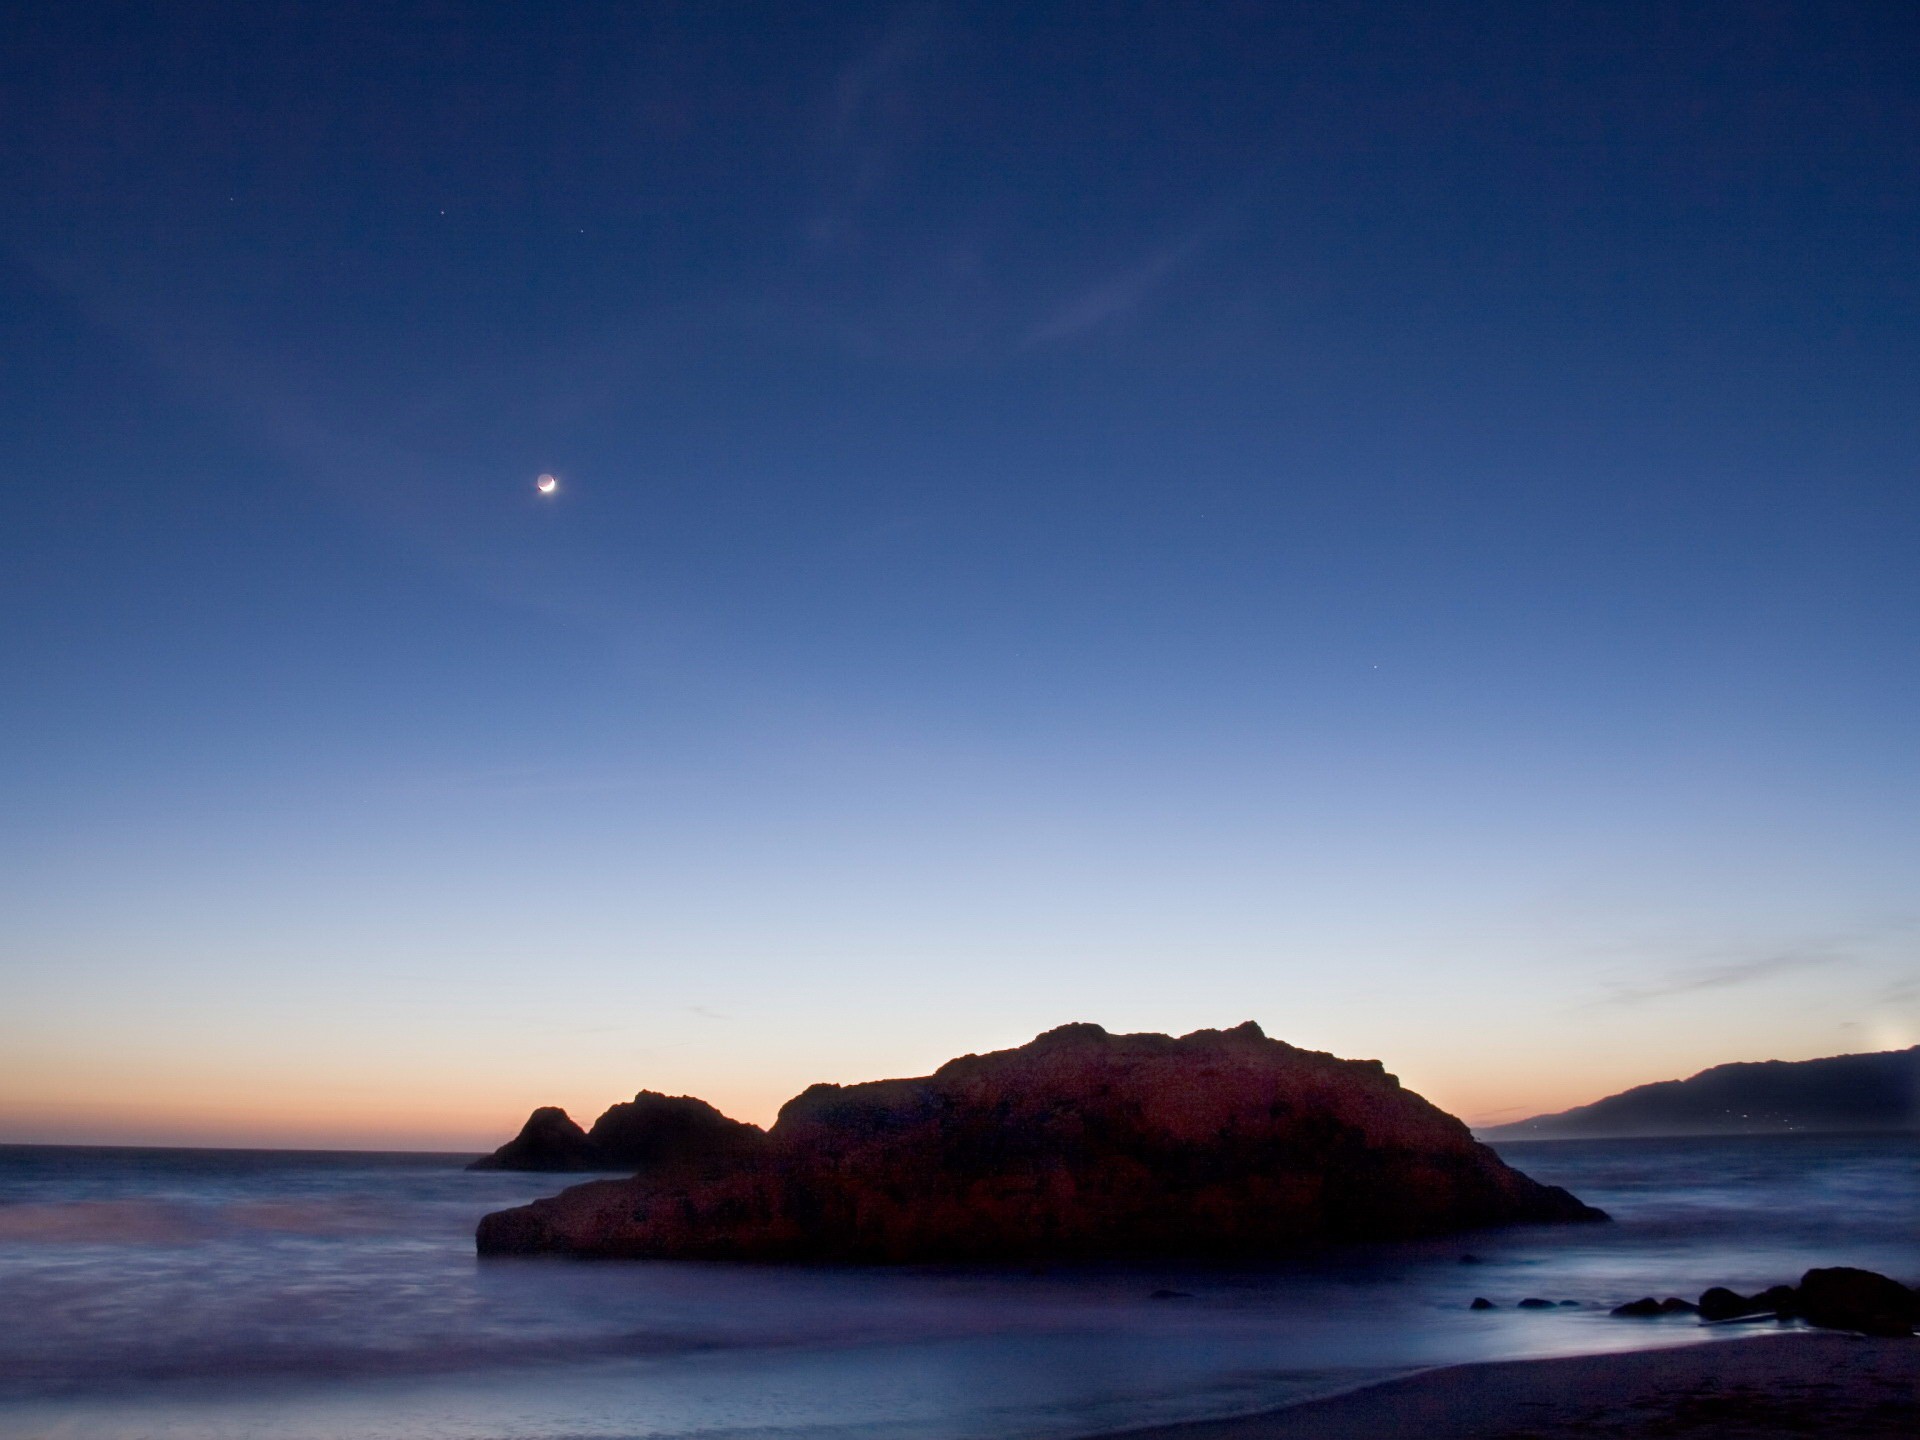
(1765, 1386)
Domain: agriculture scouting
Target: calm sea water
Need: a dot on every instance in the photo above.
(290, 1296)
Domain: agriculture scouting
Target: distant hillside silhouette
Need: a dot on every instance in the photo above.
(1877, 1092)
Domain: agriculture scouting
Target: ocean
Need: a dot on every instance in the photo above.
(279, 1295)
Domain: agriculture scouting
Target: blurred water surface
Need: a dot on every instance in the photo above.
(319, 1296)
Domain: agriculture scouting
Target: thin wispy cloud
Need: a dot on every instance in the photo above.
(1900, 991)
(1725, 976)
(869, 90)
(1126, 291)
(869, 114)
(418, 502)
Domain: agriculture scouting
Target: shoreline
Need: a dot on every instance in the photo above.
(1750, 1388)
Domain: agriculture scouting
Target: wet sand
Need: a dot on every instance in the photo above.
(1765, 1386)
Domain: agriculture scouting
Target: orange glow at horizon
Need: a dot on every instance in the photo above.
(480, 1111)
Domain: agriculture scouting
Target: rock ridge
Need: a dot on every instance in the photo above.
(650, 1131)
(1080, 1144)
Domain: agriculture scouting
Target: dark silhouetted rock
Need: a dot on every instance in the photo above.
(1782, 1300)
(1720, 1303)
(1480, 1302)
(1534, 1302)
(1646, 1308)
(1570, 1303)
(1877, 1092)
(1170, 1295)
(1652, 1309)
(1843, 1298)
(1471, 1260)
(653, 1130)
(1080, 1144)
(548, 1141)
(649, 1132)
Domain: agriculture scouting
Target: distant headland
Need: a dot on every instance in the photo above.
(1870, 1093)
(1080, 1144)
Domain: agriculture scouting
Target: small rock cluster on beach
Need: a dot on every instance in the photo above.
(1837, 1298)
(1080, 1144)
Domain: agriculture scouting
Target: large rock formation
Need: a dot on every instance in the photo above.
(648, 1132)
(1079, 1145)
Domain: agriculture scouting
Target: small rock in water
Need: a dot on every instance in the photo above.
(1720, 1303)
(550, 1140)
(1170, 1295)
(1782, 1300)
(1534, 1302)
(1649, 1308)
(1574, 1303)
(1471, 1260)
(1645, 1308)
(1480, 1302)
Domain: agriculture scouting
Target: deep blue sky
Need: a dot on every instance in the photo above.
(1396, 521)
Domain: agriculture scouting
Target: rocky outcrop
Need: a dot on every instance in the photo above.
(649, 1132)
(1080, 1144)
(1844, 1298)
(550, 1140)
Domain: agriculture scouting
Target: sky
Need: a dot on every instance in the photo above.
(1396, 522)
